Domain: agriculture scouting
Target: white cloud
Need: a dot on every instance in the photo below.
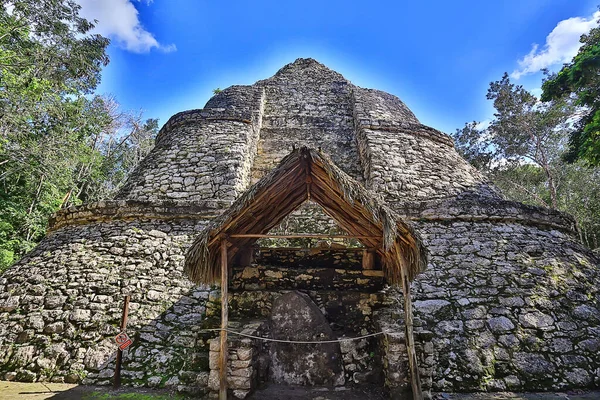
(119, 21)
(561, 45)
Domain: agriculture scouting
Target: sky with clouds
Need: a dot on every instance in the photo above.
(437, 56)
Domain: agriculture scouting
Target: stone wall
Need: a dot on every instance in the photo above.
(288, 257)
(413, 163)
(309, 106)
(244, 131)
(393, 351)
(282, 278)
(60, 307)
(511, 307)
(374, 107)
(132, 210)
(246, 367)
(202, 154)
(504, 305)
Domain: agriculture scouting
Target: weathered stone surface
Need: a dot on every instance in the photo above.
(9, 304)
(10, 376)
(81, 315)
(536, 319)
(431, 307)
(295, 316)
(579, 377)
(533, 365)
(23, 355)
(26, 376)
(500, 324)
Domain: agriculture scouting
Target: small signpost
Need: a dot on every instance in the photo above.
(123, 341)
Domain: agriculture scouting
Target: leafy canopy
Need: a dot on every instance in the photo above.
(521, 152)
(59, 144)
(579, 81)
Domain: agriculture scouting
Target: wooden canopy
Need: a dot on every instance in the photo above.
(302, 175)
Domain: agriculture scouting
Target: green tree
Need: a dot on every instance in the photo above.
(521, 152)
(49, 64)
(579, 81)
(579, 195)
(129, 139)
(523, 131)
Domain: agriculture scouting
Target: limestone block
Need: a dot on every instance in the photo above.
(241, 394)
(213, 380)
(500, 324)
(80, 315)
(533, 365)
(23, 355)
(536, 319)
(243, 372)
(213, 360)
(244, 354)
(239, 382)
(241, 364)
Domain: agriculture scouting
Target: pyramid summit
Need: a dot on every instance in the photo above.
(509, 299)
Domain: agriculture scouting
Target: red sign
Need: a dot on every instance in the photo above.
(123, 341)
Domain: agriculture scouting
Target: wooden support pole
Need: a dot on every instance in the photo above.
(119, 360)
(224, 317)
(368, 259)
(410, 341)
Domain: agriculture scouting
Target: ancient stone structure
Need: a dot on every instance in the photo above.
(510, 300)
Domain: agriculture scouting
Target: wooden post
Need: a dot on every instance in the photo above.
(410, 341)
(117, 377)
(368, 259)
(224, 317)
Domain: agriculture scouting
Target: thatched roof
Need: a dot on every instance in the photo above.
(306, 173)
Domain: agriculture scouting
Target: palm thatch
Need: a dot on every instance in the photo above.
(309, 174)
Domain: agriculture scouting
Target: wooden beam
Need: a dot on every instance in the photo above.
(224, 318)
(274, 218)
(332, 186)
(336, 206)
(258, 199)
(301, 235)
(368, 259)
(415, 379)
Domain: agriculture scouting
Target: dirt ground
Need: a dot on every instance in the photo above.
(56, 391)
(576, 395)
(280, 392)
(60, 391)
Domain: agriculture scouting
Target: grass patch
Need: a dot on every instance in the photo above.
(133, 396)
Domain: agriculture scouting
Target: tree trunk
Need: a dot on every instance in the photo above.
(37, 195)
(33, 203)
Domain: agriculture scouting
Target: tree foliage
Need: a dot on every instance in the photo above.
(523, 131)
(579, 81)
(59, 143)
(521, 152)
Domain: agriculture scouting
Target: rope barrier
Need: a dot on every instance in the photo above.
(298, 341)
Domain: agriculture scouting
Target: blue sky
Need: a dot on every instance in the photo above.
(437, 56)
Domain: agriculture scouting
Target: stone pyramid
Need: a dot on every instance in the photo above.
(510, 300)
